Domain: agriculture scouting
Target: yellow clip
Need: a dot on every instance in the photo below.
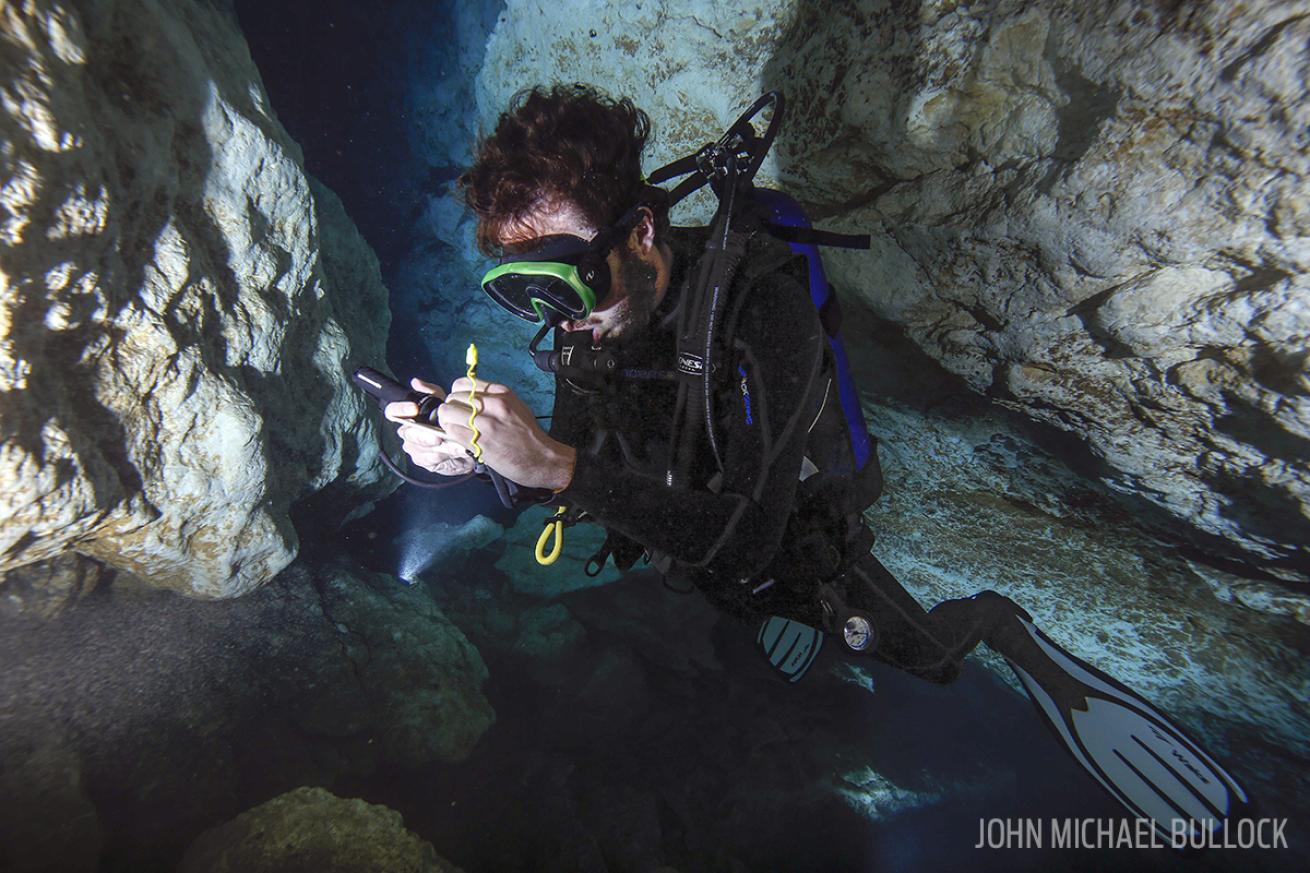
(555, 526)
(471, 358)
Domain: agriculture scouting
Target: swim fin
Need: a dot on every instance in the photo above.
(1139, 756)
(790, 646)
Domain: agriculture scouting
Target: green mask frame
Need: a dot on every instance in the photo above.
(529, 288)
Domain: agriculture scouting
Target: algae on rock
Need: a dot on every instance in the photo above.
(179, 303)
(311, 829)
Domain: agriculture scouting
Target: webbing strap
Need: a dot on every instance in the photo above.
(680, 167)
(813, 236)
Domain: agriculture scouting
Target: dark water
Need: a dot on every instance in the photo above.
(335, 72)
(617, 752)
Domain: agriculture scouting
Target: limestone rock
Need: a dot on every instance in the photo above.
(420, 675)
(1262, 596)
(310, 829)
(973, 502)
(46, 589)
(440, 92)
(876, 797)
(179, 304)
(1090, 212)
(546, 631)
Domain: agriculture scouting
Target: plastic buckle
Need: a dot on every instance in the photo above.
(596, 563)
(711, 161)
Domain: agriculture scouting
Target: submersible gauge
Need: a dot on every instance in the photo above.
(857, 633)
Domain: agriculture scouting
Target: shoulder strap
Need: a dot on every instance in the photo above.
(698, 324)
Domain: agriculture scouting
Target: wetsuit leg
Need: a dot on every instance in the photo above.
(1132, 749)
(928, 644)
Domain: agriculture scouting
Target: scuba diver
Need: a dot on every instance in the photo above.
(704, 416)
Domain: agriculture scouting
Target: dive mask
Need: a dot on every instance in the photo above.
(560, 273)
(557, 276)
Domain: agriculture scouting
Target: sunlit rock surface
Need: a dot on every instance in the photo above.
(145, 717)
(179, 304)
(1092, 213)
(312, 829)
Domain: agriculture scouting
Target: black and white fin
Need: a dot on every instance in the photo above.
(1139, 756)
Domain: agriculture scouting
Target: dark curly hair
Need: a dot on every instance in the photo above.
(568, 143)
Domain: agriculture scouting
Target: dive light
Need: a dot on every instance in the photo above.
(384, 390)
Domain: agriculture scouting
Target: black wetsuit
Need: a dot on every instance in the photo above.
(770, 537)
(756, 540)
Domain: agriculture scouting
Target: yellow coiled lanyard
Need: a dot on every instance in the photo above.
(471, 358)
(556, 523)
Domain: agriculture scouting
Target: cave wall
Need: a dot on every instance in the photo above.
(179, 306)
(1091, 213)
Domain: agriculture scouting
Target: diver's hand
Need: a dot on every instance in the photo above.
(426, 446)
(512, 442)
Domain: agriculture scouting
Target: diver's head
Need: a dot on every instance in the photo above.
(635, 268)
(560, 199)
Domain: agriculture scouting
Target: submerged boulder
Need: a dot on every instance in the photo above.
(311, 829)
(45, 589)
(179, 304)
(419, 676)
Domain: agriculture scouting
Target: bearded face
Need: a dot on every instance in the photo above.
(637, 279)
(639, 271)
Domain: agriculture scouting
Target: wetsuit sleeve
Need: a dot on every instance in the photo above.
(737, 531)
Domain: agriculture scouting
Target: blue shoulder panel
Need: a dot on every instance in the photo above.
(782, 209)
